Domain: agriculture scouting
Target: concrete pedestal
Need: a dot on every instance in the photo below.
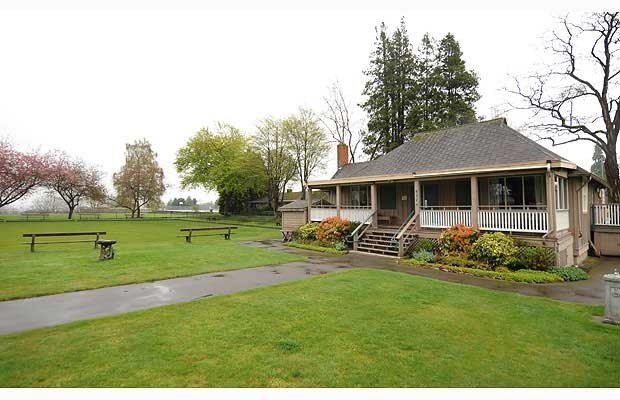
(612, 298)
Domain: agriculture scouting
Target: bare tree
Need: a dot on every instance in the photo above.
(577, 98)
(338, 120)
(280, 166)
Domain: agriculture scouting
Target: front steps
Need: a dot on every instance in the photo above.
(378, 241)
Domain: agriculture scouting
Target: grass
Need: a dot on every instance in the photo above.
(147, 250)
(364, 328)
(307, 246)
(522, 275)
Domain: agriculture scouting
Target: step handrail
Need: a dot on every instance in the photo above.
(404, 226)
(368, 221)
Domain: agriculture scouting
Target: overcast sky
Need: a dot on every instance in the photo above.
(89, 79)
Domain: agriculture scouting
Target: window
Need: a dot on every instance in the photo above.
(513, 191)
(359, 196)
(387, 197)
(463, 193)
(430, 194)
(561, 193)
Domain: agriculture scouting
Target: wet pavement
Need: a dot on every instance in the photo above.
(36, 312)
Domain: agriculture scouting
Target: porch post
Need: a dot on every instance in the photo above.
(338, 200)
(550, 178)
(373, 203)
(309, 200)
(417, 205)
(474, 201)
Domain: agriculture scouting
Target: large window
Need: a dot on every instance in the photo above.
(387, 197)
(513, 191)
(561, 193)
(463, 193)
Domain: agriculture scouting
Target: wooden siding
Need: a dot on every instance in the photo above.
(293, 219)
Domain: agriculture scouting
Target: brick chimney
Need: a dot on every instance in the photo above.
(343, 155)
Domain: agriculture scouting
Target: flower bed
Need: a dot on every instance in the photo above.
(522, 275)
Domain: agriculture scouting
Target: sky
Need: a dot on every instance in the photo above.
(88, 77)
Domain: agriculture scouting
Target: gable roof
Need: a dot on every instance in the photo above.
(477, 145)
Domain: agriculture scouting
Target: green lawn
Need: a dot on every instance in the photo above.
(146, 250)
(355, 328)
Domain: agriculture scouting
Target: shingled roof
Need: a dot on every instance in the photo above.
(478, 145)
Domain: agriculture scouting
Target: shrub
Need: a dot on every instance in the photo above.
(340, 246)
(332, 230)
(495, 249)
(570, 273)
(529, 257)
(353, 226)
(458, 239)
(423, 256)
(307, 232)
(424, 245)
(316, 246)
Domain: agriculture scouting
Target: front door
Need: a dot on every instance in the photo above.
(405, 200)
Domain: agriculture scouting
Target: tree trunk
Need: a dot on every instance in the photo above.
(133, 214)
(138, 212)
(613, 175)
(71, 208)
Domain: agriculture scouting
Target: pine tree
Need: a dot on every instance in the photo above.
(424, 113)
(598, 167)
(457, 85)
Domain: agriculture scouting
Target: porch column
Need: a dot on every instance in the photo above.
(309, 200)
(550, 180)
(474, 201)
(373, 203)
(417, 205)
(338, 200)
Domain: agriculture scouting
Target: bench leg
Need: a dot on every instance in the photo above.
(32, 245)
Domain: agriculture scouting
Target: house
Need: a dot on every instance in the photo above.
(485, 175)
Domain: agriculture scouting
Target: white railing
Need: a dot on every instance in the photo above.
(352, 213)
(606, 214)
(444, 218)
(534, 221)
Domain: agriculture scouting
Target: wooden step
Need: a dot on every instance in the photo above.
(383, 245)
(377, 251)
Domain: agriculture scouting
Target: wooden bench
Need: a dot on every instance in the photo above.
(226, 229)
(86, 216)
(33, 237)
(40, 216)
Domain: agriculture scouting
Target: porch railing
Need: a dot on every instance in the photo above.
(352, 213)
(444, 218)
(606, 214)
(514, 220)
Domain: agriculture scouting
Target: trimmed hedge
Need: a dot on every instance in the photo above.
(315, 247)
(570, 273)
(523, 275)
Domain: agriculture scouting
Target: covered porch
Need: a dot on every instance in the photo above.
(511, 202)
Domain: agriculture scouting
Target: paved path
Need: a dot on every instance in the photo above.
(20, 315)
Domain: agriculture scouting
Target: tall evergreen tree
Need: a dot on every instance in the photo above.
(457, 85)
(389, 90)
(424, 115)
(598, 165)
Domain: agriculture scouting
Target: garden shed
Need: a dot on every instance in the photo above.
(294, 215)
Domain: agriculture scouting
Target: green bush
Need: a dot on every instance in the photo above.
(458, 239)
(424, 245)
(570, 273)
(340, 246)
(423, 256)
(353, 226)
(316, 246)
(459, 261)
(529, 257)
(495, 249)
(307, 232)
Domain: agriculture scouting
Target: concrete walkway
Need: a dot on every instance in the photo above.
(36, 312)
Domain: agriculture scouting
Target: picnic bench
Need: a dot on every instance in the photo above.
(33, 237)
(36, 216)
(227, 232)
(86, 216)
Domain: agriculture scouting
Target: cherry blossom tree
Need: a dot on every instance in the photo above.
(20, 173)
(74, 181)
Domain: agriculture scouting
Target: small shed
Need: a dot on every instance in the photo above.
(294, 215)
